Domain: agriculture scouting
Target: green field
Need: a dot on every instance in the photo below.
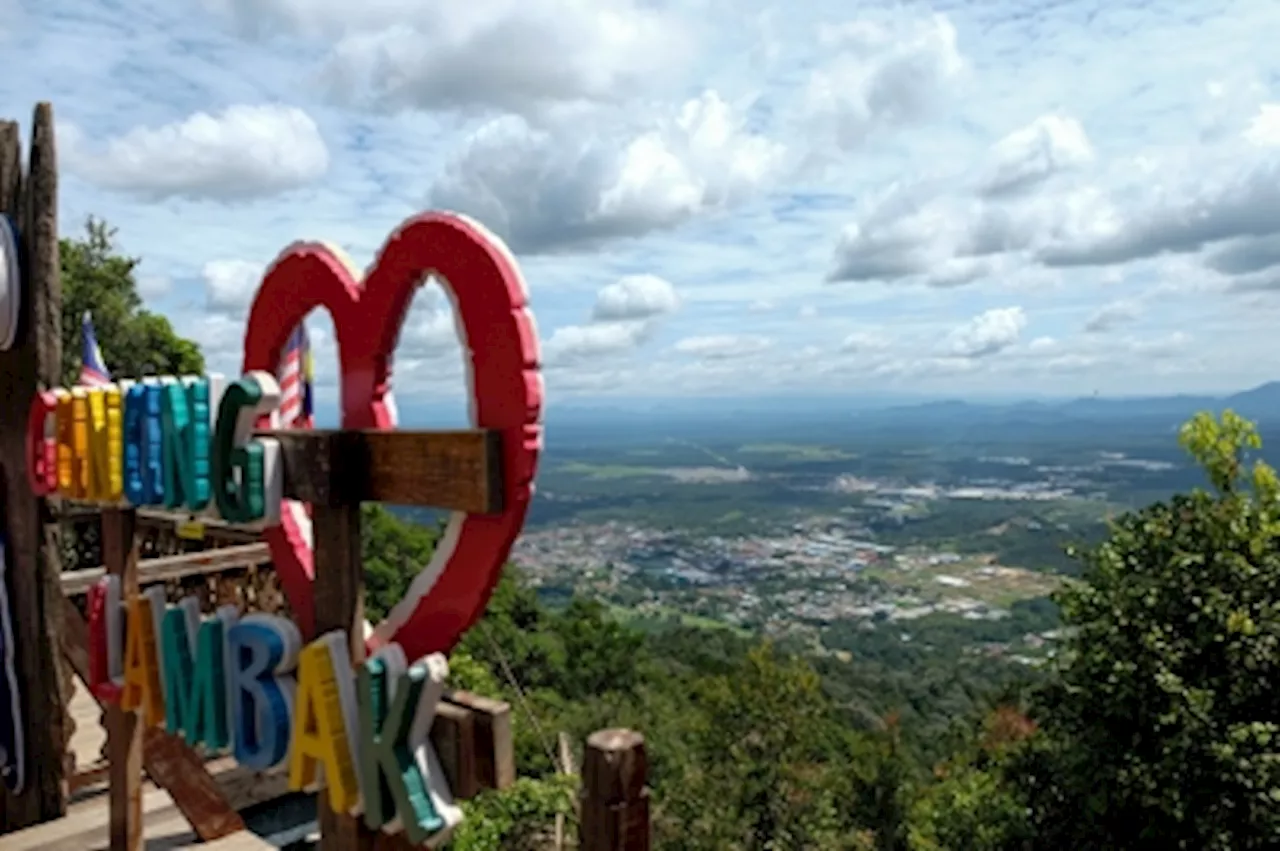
(797, 451)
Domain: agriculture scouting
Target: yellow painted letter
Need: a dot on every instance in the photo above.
(319, 731)
(142, 688)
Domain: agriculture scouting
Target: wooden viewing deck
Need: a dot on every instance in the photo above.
(85, 827)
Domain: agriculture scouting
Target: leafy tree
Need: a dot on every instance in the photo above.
(973, 805)
(96, 278)
(762, 777)
(1161, 720)
(393, 552)
(134, 341)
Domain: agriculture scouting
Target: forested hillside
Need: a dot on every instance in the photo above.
(1154, 728)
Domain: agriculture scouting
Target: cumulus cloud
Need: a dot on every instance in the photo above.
(1180, 203)
(861, 341)
(570, 342)
(229, 285)
(635, 297)
(723, 346)
(913, 230)
(1107, 317)
(544, 190)
(503, 54)
(626, 313)
(880, 74)
(1243, 256)
(548, 191)
(1032, 154)
(242, 152)
(988, 333)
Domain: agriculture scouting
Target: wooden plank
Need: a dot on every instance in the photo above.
(33, 561)
(243, 787)
(615, 802)
(166, 759)
(153, 570)
(124, 729)
(339, 573)
(453, 733)
(494, 743)
(453, 470)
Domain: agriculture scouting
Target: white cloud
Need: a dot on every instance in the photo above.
(626, 314)
(988, 333)
(230, 284)
(722, 346)
(572, 342)
(635, 297)
(1031, 154)
(719, 145)
(242, 152)
(547, 190)
(881, 74)
(1184, 204)
(861, 341)
(153, 286)
(513, 56)
(1107, 317)
(1264, 129)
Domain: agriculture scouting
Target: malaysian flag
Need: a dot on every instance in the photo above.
(93, 372)
(297, 375)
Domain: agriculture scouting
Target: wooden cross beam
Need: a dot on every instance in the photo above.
(454, 470)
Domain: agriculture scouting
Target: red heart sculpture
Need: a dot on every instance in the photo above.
(501, 353)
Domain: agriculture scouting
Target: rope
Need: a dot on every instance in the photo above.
(520, 696)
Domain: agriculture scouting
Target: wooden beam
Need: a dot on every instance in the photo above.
(171, 764)
(453, 470)
(35, 360)
(155, 518)
(153, 570)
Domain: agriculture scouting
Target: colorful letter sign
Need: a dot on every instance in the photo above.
(191, 443)
(249, 685)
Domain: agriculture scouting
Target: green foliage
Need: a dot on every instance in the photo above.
(970, 808)
(393, 552)
(1161, 720)
(520, 818)
(134, 341)
(761, 760)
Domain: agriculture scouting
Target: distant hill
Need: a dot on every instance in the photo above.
(715, 420)
(1262, 403)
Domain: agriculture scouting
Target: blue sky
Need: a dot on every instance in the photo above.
(707, 197)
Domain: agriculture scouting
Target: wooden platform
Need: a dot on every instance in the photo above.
(85, 826)
(85, 829)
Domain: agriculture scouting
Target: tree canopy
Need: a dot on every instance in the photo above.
(134, 341)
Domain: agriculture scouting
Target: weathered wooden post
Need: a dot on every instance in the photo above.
(615, 801)
(34, 593)
(124, 729)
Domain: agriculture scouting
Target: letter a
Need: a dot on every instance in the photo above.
(319, 729)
